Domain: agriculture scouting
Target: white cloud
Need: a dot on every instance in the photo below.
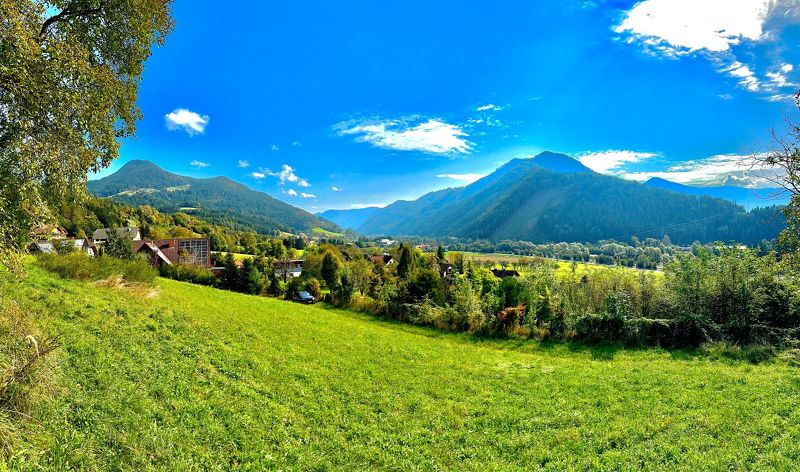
(489, 107)
(684, 26)
(714, 170)
(336, 189)
(432, 135)
(244, 164)
(307, 195)
(675, 28)
(189, 121)
(725, 96)
(468, 178)
(287, 174)
(296, 144)
(611, 161)
(257, 175)
(199, 164)
(291, 192)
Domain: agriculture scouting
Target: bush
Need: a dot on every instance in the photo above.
(692, 331)
(313, 287)
(596, 329)
(648, 332)
(188, 273)
(81, 266)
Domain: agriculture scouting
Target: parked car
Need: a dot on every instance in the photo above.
(305, 297)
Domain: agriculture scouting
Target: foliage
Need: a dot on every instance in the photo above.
(80, 266)
(331, 266)
(119, 245)
(69, 76)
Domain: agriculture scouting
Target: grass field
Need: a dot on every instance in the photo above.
(200, 379)
(564, 267)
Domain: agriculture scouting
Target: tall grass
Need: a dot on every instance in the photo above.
(80, 266)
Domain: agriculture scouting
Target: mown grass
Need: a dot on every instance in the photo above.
(202, 379)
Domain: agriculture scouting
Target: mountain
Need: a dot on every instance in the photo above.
(748, 198)
(218, 200)
(349, 218)
(553, 198)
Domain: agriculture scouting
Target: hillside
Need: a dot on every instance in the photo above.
(746, 197)
(552, 197)
(349, 218)
(218, 200)
(201, 379)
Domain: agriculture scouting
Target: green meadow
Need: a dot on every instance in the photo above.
(194, 378)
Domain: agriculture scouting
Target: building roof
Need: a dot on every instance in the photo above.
(102, 234)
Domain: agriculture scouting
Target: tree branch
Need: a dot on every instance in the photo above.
(68, 13)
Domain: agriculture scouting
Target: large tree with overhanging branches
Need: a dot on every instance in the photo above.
(69, 77)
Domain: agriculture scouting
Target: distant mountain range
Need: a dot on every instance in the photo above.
(218, 200)
(553, 198)
(349, 218)
(748, 198)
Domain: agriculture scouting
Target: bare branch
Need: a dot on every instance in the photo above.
(68, 13)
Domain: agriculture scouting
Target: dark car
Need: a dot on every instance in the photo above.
(305, 297)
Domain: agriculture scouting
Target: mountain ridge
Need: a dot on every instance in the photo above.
(219, 200)
(527, 200)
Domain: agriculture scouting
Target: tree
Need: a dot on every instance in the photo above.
(119, 245)
(330, 269)
(68, 86)
(229, 279)
(404, 265)
(312, 287)
(440, 253)
(361, 270)
(250, 280)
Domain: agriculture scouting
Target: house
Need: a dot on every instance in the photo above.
(51, 247)
(48, 232)
(191, 251)
(100, 236)
(505, 273)
(289, 269)
(385, 259)
(388, 242)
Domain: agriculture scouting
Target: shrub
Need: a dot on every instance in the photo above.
(81, 266)
(596, 329)
(188, 273)
(313, 287)
(648, 332)
(692, 330)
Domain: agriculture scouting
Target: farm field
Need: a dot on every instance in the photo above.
(196, 378)
(564, 267)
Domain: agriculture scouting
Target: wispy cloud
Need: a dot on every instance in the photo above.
(274, 148)
(291, 192)
(244, 164)
(186, 120)
(257, 175)
(612, 161)
(715, 170)
(199, 164)
(307, 195)
(468, 178)
(489, 107)
(430, 135)
(336, 189)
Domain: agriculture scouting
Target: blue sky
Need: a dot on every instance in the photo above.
(349, 104)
